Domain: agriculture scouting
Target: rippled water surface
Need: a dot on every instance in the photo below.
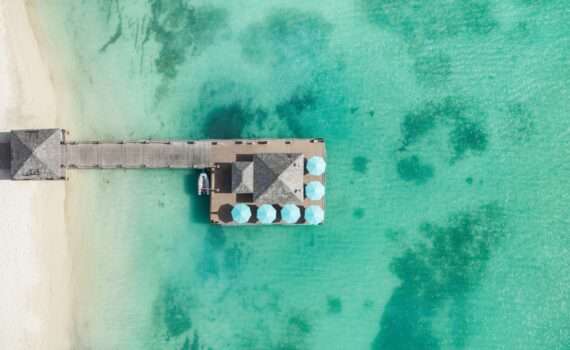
(447, 132)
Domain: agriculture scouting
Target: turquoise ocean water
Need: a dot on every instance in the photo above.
(447, 126)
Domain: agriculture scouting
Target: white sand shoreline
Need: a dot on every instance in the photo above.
(35, 263)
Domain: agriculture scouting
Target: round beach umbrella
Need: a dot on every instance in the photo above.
(241, 213)
(314, 190)
(316, 165)
(314, 215)
(290, 213)
(266, 214)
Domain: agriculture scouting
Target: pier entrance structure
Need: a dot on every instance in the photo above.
(37, 154)
(44, 154)
(252, 172)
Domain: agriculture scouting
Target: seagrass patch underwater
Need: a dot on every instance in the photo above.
(447, 149)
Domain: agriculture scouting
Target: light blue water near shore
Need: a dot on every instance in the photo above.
(447, 136)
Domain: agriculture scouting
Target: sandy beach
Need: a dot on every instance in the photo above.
(35, 264)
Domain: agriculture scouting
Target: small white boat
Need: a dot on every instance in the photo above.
(203, 184)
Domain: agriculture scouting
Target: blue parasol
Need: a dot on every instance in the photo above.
(266, 214)
(314, 215)
(290, 213)
(241, 213)
(316, 165)
(314, 190)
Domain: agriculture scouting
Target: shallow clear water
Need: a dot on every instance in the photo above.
(447, 135)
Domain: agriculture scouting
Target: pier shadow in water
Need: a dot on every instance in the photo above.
(200, 206)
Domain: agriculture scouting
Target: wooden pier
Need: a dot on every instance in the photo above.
(44, 154)
(251, 172)
(142, 154)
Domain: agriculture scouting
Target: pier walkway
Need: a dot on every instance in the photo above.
(250, 172)
(132, 155)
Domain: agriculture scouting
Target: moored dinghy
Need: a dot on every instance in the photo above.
(203, 184)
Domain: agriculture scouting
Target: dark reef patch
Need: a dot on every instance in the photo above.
(225, 109)
(195, 345)
(297, 331)
(186, 345)
(358, 213)
(171, 311)
(425, 23)
(467, 136)
(521, 123)
(178, 27)
(334, 305)
(291, 110)
(285, 36)
(195, 342)
(394, 234)
(433, 69)
(420, 21)
(299, 323)
(463, 121)
(437, 276)
(360, 164)
(311, 111)
(294, 46)
(412, 169)
(417, 124)
(226, 122)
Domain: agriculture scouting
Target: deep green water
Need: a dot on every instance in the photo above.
(447, 127)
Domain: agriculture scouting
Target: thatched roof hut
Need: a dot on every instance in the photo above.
(278, 178)
(37, 154)
(273, 178)
(242, 177)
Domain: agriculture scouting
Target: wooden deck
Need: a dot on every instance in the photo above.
(226, 151)
(133, 155)
(45, 154)
(214, 155)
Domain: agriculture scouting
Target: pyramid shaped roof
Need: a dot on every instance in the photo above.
(242, 177)
(37, 154)
(278, 178)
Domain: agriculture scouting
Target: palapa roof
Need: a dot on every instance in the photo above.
(242, 177)
(272, 178)
(278, 178)
(37, 154)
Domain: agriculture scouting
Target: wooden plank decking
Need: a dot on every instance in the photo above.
(132, 155)
(44, 154)
(225, 152)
